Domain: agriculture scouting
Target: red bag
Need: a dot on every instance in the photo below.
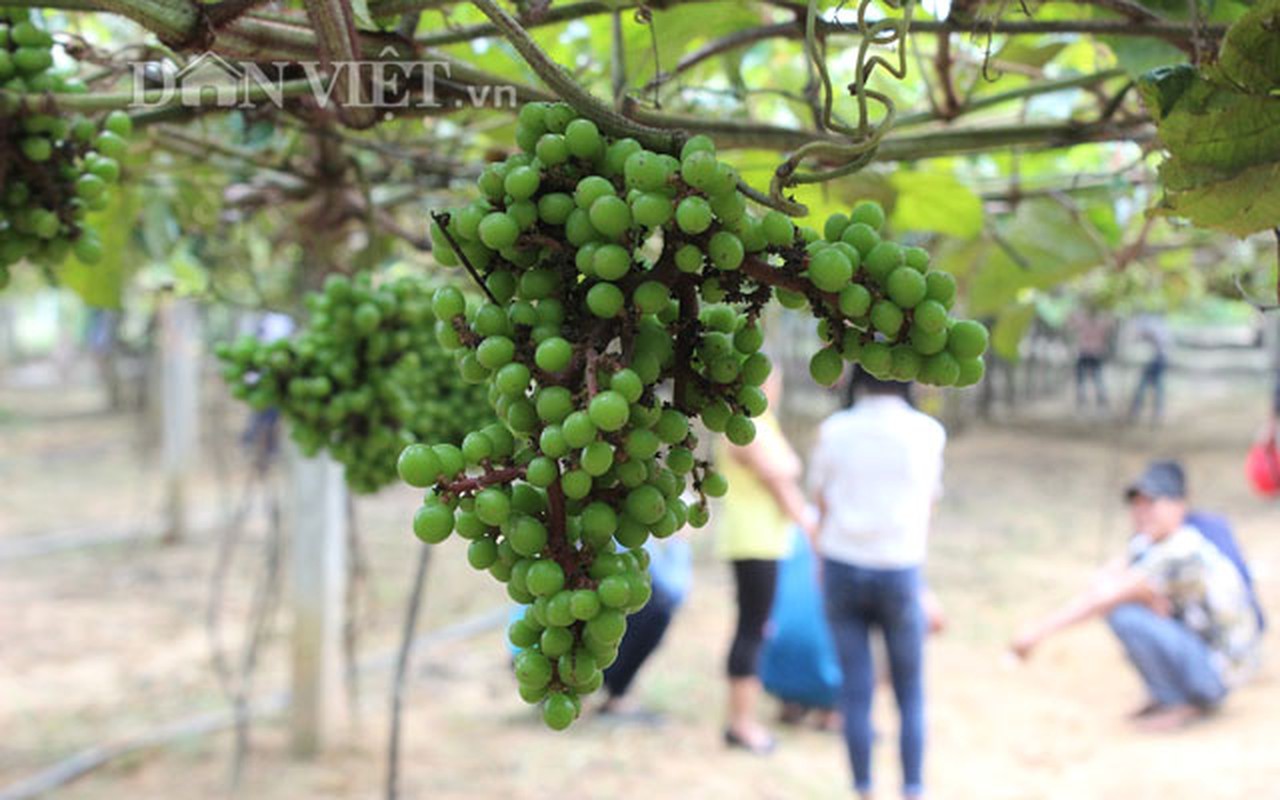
(1263, 469)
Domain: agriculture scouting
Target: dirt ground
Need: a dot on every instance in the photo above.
(102, 642)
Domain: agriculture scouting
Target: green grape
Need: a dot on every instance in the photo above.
(545, 578)
(826, 366)
(778, 228)
(418, 465)
(584, 605)
(559, 711)
(651, 209)
(583, 139)
(493, 506)
(855, 300)
(698, 169)
(645, 171)
(714, 485)
(553, 355)
(596, 458)
(941, 287)
(725, 250)
(555, 208)
(521, 183)
(862, 237)
(967, 339)
(579, 429)
(917, 258)
(868, 213)
(904, 363)
(651, 297)
(433, 523)
(693, 215)
(495, 351)
(883, 259)
(876, 358)
(609, 410)
(830, 270)
(689, 258)
(833, 229)
(605, 300)
(940, 369)
(610, 215)
(498, 230)
(905, 287)
(610, 262)
(930, 316)
(551, 150)
(740, 430)
(886, 317)
(971, 371)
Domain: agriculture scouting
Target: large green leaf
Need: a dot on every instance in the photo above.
(935, 202)
(1224, 150)
(1250, 58)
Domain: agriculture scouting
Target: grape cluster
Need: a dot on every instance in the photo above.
(365, 378)
(891, 310)
(625, 288)
(53, 169)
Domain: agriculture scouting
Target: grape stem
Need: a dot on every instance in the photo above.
(489, 477)
(593, 361)
(441, 218)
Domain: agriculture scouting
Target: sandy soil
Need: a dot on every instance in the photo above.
(100, 643)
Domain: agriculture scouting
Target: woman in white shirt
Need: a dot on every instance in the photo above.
(875, 473)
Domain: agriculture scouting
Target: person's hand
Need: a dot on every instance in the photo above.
(934, 616)
(1024, 645)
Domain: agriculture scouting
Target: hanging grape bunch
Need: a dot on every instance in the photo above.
(625, 288)
(54, 169)
(365, 378)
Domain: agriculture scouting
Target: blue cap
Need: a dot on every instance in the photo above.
(1159, 479)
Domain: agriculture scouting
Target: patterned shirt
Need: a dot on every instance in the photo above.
(1207, 595)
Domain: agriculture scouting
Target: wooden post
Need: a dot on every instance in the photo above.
(318, 521)
(179, 327)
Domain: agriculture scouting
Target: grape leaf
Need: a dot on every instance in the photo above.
(1011, 325)
(1221, 127)
(1042, 246)
(1250, 58)
(937, 202)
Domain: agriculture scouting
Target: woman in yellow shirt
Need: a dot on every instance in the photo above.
(753, 533)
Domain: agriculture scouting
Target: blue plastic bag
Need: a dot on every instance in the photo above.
(798, 663)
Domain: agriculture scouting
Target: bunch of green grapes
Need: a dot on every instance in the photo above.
(364, 378)
(891, 312)
(625, 288)
(54, 169)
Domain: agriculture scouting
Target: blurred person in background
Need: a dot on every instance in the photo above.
(753, 534)
(1153, 332)
(875, 475)
(1180, 606)
(1091, 328)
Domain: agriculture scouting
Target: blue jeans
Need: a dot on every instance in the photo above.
(859, 600)
(1152, 380)
(1173, 661)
